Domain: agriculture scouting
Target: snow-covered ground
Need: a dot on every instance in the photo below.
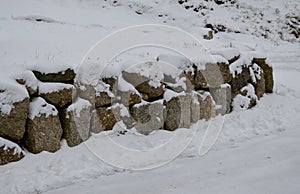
(258, 150)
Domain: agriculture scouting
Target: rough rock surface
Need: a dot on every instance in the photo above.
(203, 106)
(43, 128)
(104, 119)
(75, 122)
(129, 98)
(8, 155)
(12, 125)
(148, 116)
(240, 80)
(60, 98)
(222, 97)
(141, 83)
(101, 99)
(66, 76)
(178, 112)
(214, 75)
(268, 73)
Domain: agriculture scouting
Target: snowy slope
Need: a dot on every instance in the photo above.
(257, 151)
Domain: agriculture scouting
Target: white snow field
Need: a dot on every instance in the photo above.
(258, 150)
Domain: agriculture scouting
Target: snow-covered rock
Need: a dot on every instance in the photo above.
(43, 128)
(268, 73)
(202, 106)
(148, 116)
(146, 78)
(9, 152)
(58, 94)
(14, 105)
(66, 76)
(75, 122)
(104, 119)
(178, 111)
(222, 97)
(246, 99)
(258, 79)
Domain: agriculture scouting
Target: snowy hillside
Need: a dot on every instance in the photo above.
(257, 150)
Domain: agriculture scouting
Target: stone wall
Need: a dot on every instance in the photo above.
(58, 109)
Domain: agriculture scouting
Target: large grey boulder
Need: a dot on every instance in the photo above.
(178, 110)
(222, 97)
(148, 116)
(9, 152)
(43, 129)
(13, 113)
(76, 122)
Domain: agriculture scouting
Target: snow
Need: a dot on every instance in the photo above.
(45, 88)
(29, 78)
(6, 144)
(227, 53)
(79, 105)
(39, 107)
(225, 86)
(237, 66)
(241, 102)
(169, 95)
(124, 86)
(255, 72)
(151, 70)
(123, 110)
(235, 164)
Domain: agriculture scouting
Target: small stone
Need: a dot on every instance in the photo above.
(209, 35)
